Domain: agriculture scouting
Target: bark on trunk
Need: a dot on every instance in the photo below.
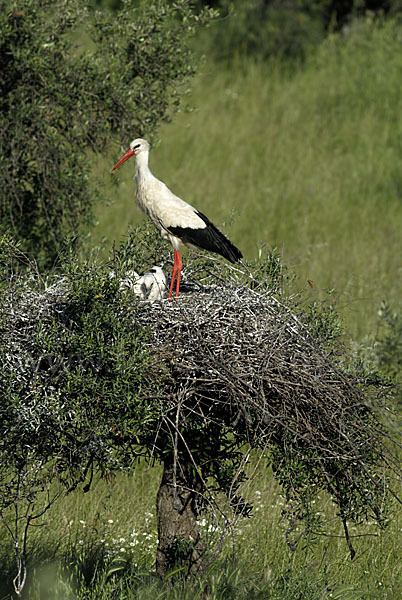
(179, 540)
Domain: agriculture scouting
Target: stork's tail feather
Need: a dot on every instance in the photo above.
(208, 238)
(221, 245)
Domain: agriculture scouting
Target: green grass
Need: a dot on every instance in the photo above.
(101, 545)
(308, 162)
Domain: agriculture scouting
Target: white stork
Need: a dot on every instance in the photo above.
(177, 221)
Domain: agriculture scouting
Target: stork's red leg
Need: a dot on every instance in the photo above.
(179, 266)
(173, 272)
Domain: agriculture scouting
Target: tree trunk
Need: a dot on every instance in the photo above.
(179, 540)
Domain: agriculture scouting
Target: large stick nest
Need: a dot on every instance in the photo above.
(244, 361)
(240, 353)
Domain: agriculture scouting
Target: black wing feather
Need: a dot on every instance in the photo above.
(208, 238)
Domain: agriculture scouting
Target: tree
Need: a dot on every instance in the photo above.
(60, 98)
(91, 379)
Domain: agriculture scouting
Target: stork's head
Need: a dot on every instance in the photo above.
(137, 146)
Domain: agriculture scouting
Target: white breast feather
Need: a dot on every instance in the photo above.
(164, 208)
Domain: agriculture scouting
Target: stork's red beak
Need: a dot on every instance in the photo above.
(123, 159)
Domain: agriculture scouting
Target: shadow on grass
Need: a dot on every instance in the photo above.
(88, 574)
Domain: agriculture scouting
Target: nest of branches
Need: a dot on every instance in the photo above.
(246, 368)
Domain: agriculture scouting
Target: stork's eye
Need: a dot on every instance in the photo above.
(137, 146)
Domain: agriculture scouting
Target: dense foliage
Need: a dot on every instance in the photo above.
(60, 97)
(76, 386)
(76, 391)
(264, 28)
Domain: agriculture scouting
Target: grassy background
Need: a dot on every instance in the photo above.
(308, 161)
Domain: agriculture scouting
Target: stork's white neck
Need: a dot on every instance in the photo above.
(141, 166)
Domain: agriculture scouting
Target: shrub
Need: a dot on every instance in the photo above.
(76, 383)
(58, 99)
